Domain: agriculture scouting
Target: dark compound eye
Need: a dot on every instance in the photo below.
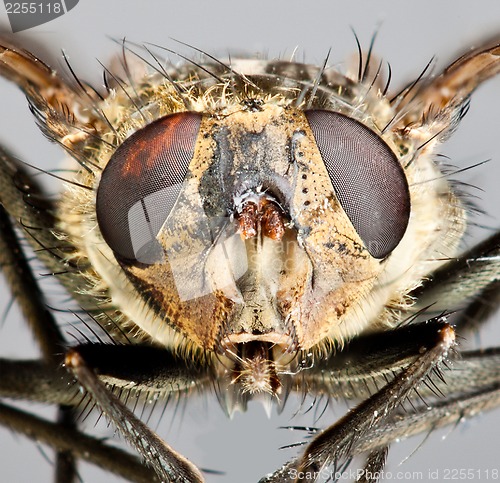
(141, 183)
(368, 180)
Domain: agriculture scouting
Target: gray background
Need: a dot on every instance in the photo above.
(410, 34)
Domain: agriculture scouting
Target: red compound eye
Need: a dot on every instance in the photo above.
(141, 183)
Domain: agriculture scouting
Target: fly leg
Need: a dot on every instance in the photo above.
(50, 340)
(470, 282)
(79, 445)
(124, 371)
(169, 465)
(334, 447)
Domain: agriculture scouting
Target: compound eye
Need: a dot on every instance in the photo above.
(141, 183)
(367, 178)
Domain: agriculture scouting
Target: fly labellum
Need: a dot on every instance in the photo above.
(253, 230)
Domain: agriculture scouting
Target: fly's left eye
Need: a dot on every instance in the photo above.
(141, 183)
(367, 178)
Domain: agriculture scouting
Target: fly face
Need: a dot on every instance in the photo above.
(229, 225)
(240, 249)
(260, 217)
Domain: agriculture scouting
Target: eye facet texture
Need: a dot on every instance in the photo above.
(367, 178)
(141, 183)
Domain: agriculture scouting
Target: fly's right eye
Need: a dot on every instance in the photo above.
(141, 183)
